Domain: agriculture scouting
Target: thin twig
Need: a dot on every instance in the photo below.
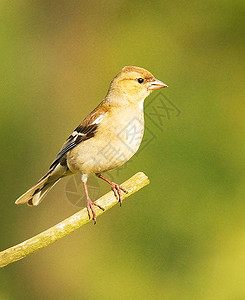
(70, 224)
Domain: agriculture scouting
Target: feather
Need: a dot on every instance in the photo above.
(34, 195)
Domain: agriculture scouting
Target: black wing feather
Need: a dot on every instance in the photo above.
(82, 133)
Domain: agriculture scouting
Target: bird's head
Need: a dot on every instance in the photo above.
(135, 83)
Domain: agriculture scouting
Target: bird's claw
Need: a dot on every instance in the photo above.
(90, 207)
(117, 190)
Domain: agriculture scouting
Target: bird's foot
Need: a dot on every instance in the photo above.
(117, 190)
(90, 207)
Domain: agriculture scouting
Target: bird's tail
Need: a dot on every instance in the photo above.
(35, 195)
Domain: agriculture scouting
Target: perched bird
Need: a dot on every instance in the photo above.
(107, 138)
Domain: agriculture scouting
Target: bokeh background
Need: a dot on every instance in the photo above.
(183, 236)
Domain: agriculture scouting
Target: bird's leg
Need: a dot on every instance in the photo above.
(115, 187)
(89, 202)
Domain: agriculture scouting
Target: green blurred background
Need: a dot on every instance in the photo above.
(183, 236)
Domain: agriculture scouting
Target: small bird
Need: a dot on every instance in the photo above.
(106, 139)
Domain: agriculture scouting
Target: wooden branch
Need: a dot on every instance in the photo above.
(70, 224)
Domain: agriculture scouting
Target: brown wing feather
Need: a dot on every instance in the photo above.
(83, 132)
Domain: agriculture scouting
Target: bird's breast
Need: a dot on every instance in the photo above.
(116, 141)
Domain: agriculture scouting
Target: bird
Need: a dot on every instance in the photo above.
(106, 139)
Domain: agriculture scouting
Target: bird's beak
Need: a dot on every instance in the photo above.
(157, 84)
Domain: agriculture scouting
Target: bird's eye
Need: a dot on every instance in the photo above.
(140, 80)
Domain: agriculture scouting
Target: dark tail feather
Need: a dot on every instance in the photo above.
(35, 195)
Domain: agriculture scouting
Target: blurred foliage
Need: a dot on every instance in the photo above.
(182, 237)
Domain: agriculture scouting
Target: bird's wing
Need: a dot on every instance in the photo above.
(86, 130)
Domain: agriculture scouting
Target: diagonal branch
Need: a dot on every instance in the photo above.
(70, 224)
